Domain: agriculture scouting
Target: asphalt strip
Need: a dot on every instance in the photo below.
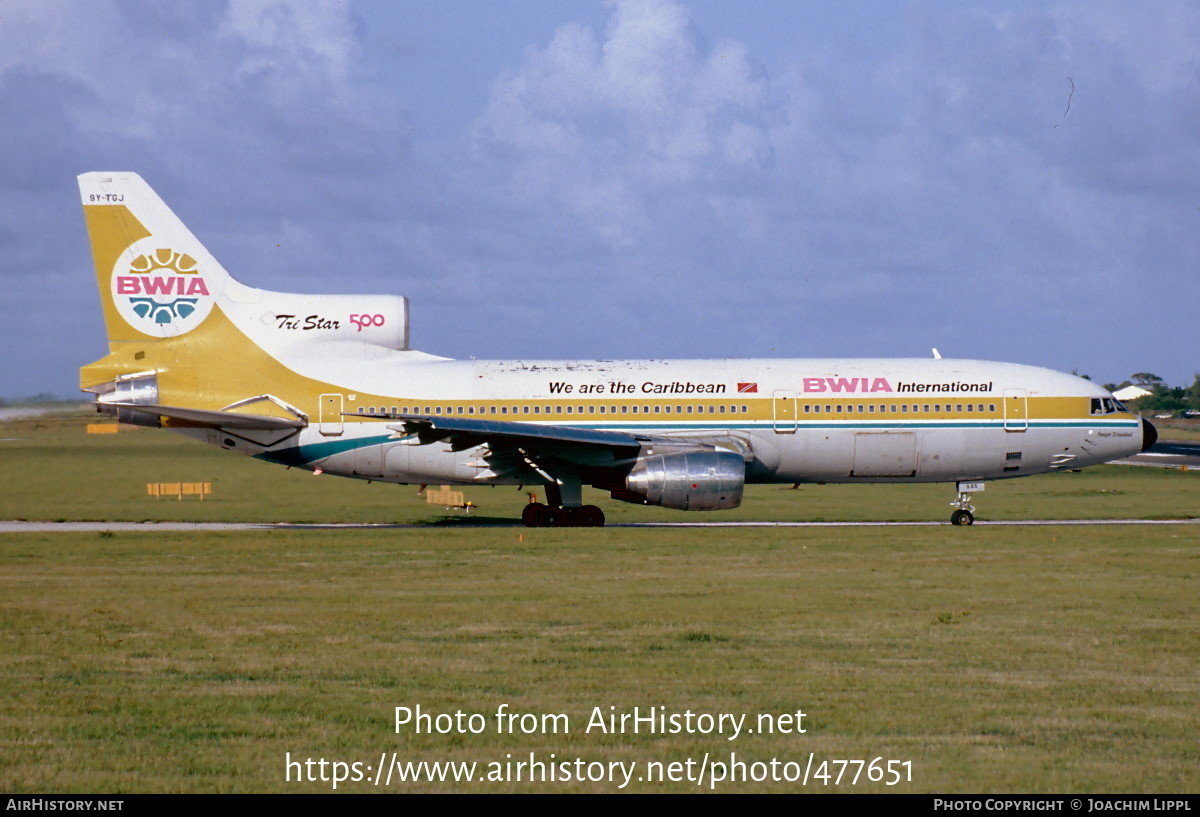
(198, 527)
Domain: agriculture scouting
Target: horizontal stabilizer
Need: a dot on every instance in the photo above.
(201, 418)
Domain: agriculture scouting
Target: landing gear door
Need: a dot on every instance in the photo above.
(784, 403)
(331, 415)
(1016, 410)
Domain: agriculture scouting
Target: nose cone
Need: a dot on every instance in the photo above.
(1149, 434)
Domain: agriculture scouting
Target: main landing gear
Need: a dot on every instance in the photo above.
(537, 515)
(963, 515)
(571, 513)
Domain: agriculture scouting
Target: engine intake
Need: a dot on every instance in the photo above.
(687, 481)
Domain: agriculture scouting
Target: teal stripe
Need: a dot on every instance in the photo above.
(767, 425)
(301, 455)
(305, 454)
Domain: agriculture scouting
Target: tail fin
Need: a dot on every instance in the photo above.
(170, 306)
(156, 280)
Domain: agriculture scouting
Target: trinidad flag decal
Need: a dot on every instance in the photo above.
(747, 388)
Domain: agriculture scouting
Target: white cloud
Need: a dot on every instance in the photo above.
(604, 126)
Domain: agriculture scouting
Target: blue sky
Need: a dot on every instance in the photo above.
(570, 179)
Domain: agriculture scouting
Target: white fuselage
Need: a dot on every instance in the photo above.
(821, 420)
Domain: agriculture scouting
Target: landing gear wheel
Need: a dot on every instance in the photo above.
(961, 517)
(591, 517)
(537, 515)
(531, 515)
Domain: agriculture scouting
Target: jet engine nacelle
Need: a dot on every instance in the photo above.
(688, 480)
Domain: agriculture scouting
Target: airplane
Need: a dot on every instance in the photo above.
(329, 383)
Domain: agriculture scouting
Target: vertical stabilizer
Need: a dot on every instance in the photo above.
(174, 314)
(156, 280)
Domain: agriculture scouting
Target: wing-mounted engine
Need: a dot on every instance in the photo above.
(705, 480)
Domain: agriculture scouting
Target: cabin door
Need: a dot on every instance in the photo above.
(784, 403)
(331, 415)
(1016, 410)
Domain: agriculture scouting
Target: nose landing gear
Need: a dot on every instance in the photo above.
(963, 515)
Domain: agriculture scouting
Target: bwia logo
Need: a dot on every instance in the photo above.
(159, 290)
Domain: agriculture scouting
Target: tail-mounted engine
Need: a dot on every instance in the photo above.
(140, 388)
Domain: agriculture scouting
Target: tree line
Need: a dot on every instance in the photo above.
(1162, 397)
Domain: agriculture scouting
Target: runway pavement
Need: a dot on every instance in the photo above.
(196, 527)
(1168, 454)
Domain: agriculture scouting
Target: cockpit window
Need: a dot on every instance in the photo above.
(1107, 405)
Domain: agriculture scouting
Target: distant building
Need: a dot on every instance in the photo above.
(1131, 393)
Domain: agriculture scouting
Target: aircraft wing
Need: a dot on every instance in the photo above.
(514, 448)
(462, 432)
(201, 418)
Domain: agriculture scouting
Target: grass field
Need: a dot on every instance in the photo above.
(1050, 659)
(56, 472)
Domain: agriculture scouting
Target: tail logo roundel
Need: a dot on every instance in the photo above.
(159, 290)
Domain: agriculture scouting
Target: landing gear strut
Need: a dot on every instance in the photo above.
(963, 515)
(537, 515)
